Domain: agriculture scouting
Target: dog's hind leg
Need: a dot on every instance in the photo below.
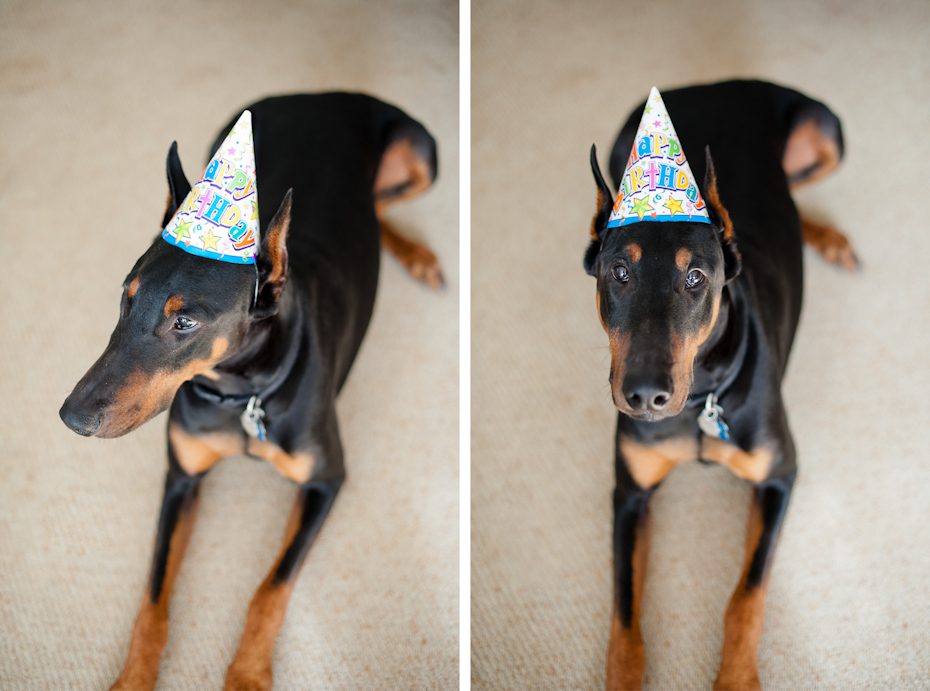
(830, 243)
(407, 169)
(251, 668)
(417, 259)
(813, 150)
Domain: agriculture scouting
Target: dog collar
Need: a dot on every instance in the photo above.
(253, 416)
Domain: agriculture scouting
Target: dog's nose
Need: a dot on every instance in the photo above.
(643, 394)
(82, 423)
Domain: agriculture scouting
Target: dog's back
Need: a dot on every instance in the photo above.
(331, 149)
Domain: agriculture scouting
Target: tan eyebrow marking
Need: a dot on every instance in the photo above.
(173, 304)
(634, 251)
(133, 287)
(683, 258)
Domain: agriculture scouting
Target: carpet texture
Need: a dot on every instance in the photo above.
(848, 600)
(92, 94)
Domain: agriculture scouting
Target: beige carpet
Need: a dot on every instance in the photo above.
(849, 602)
(92, 94)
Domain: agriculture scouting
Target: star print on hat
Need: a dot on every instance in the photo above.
(218, 219)
(658, 184)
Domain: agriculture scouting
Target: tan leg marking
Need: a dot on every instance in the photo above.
(400, 167)
(251, 667)
(294, 466)
(417, 259)
(808, 149)
(831, 244)
(743, 621)
(626, 655)
(749, 465)
(150, 632)
(649, 465)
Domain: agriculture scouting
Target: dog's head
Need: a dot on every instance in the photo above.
(659, 287)
(180, 316)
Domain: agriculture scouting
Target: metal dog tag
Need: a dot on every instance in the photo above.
(252, 419)
(711, 420)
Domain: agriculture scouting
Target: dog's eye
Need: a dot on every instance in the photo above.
(184, 324)
(620, 273)
(694, 278)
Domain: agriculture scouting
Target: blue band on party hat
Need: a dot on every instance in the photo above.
(218, 219)
(658, 184)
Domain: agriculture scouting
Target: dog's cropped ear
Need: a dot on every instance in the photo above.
(605, 203)
(272, 260)
(178, 186)
(732, 262)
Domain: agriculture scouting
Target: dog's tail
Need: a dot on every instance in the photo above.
(408, 164)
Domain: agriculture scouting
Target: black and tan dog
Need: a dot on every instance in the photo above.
(688, 315)
(198, 335)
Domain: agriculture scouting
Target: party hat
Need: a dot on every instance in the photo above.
(218, 219)
(658, 184)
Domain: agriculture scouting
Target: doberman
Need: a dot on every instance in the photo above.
(205, 336)
(689, 315)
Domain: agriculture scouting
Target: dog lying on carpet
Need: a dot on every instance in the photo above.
(249, 336)
(700, 330)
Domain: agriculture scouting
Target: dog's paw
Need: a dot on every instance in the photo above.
(832, 245)
(243, 678)
(746, 680)
(130, 680)
(423, 266)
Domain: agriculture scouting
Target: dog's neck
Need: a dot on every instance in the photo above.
(722, 354)
(266, 357)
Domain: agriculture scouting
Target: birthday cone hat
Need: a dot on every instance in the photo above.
(218, 219)
(658, 184)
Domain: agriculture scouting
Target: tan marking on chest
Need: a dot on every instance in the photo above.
(650, 464)
(197, 453)
(294, 466)
(751, 465)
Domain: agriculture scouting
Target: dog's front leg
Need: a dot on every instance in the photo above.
(641, 466)
(150, 632)
(745, 613)
(251, 668)
(626, 659)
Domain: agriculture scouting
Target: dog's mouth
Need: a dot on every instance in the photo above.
(95, 411)
(106, 425)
